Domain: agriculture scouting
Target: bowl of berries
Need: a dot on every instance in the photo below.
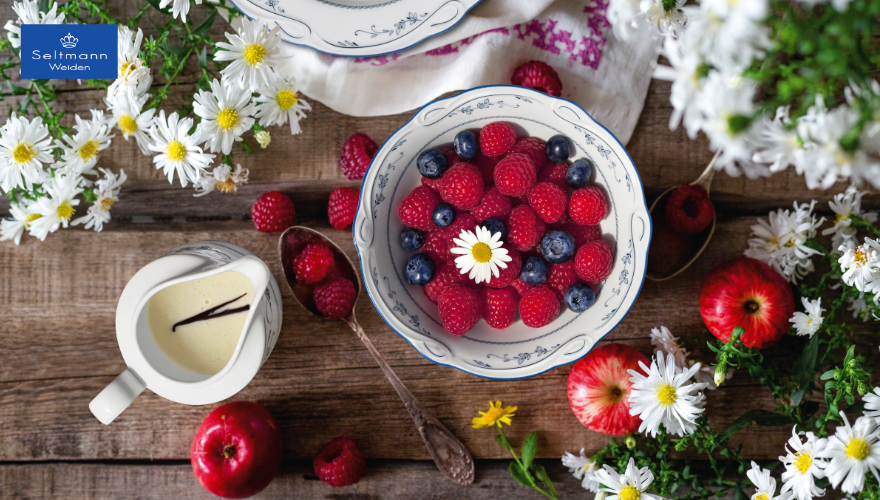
(502, 232)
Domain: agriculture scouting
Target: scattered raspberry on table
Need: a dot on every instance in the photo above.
(689, 209)
(273, 212)
(538, 75)
(340, 463)
(342, 207)
(357, 153)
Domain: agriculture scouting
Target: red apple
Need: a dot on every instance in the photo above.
(748, 293)
(599, 386)
(237, 450)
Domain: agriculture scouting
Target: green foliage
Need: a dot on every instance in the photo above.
(524, 469)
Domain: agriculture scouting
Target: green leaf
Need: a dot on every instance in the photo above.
(203, 58)
(541, 473)
(155, 4)
(530, 447)
(90, 196)
(502, 440)
(761, 417)
(205, 26)
(803, 369)
(520, 475)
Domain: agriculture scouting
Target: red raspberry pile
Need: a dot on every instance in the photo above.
(340, 463)
(512, 180)
(315, 268)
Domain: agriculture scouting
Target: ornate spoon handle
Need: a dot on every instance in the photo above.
(451, 457)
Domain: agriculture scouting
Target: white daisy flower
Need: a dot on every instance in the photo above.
(179, 7)
(280, 103)
(665, 396)
(253, 52)
(765, 486)
(264, 138)
(12, 229)
(132, 72)
(28, 12)
(226, 113)
(582, 468)
(666, 343)
(668, 22)
(686, 77)
(630, 485)
(481, 254)
(803, 466)
(223, 178)
(846, 205)
(852, 452)
(178, 150)
(807, 323)
(776, 142)
(130, 120)
(872, 404)
(861, 264)
(80, 152)
(729, 43)
(57, 207)
(780, 241)
(24, 147)
(107, 190)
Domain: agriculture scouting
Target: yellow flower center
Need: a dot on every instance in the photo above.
(227, 119)
(286, 99)
(65, 211)
(128, 124)
(125, 68)
(24, 153)
(254, 54)
(629, 493)
(761, 496)
(841, 217)
(106, 203)
(175, 150)
(802, 462)
(666, 395)
(858, 449)
(89, 150)
(31, 218)
(860, 256)
(481, 252)
(789, 243)
(227, 186)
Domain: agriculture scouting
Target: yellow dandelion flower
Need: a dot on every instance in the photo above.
(495, 416)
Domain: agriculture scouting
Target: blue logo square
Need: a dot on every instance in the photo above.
(69, 51)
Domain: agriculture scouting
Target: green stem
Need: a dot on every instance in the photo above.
(529, 476)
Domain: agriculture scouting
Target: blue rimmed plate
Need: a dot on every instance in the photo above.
(518, 351)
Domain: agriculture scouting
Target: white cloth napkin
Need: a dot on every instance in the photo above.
(607, 77)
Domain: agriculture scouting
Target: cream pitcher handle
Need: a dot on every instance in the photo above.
(116, 397)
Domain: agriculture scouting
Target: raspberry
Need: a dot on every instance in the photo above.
(561, 277)
(520, 286)
(313, 263)
(555, 173)
(431, 183)
(342, 207)
(515, 175)
(415, 210)
(450, 155)
(493, 204)
(462, 186)
(582, 234)
(460, 309)
(539, 76)
(539, 306)
(444, 278)
(335, 299)
(499, 306)
(524, 228)
(534, 149)
(588, 206)
(594, 261)
(436, 246)
(357, 153)
(509, 273)
(689, 209)
(273, 212)
(486, 164)
(340, 463)
(496, 139)
(548, 201)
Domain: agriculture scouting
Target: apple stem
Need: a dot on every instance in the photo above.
(229, 451)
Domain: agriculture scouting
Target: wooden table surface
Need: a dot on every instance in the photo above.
(58, 348)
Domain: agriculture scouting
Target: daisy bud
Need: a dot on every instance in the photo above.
(630, 442)
(720, 375)
(601, 495)
(263, 138)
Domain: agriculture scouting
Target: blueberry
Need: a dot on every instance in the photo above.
(557, 149)
(579, 297)
(432, 163)
(419, 269)
(411, 239)
(466, 145)
(443, 215)
(495, 225)
(557, 246)
(579, 172)
(534, 271)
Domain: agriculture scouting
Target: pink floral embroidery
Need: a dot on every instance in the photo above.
(378, 60)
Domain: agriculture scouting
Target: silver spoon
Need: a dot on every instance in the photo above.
(450, 455)
(670, 252)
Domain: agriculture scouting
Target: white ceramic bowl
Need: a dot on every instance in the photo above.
(518, 351)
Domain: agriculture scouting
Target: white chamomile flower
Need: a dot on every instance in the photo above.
(179, 7)
(223, 178)
(12, 229)
(852, 451)
(665, 342)
(79, 153)
(253, 52)
(686, 76)
(776, 142)
(24, 147)
(107, 190)
(279, 103)
(872, 404)
(846, 205)
(728, 42)
(630, 485)
(666, 396)
(765, 486)
(803, 466)
(57, 207)
(226, 113)
(264, 138)
(669, 19)
(130, 120)
(132, 72)
(582, 468)
(780, 241)
(807, 323)
(860, 264)
(858, 306)
(178, 150)
(28, 12)
(481, 254)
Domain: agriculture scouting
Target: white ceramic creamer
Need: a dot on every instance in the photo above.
(150, 368)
